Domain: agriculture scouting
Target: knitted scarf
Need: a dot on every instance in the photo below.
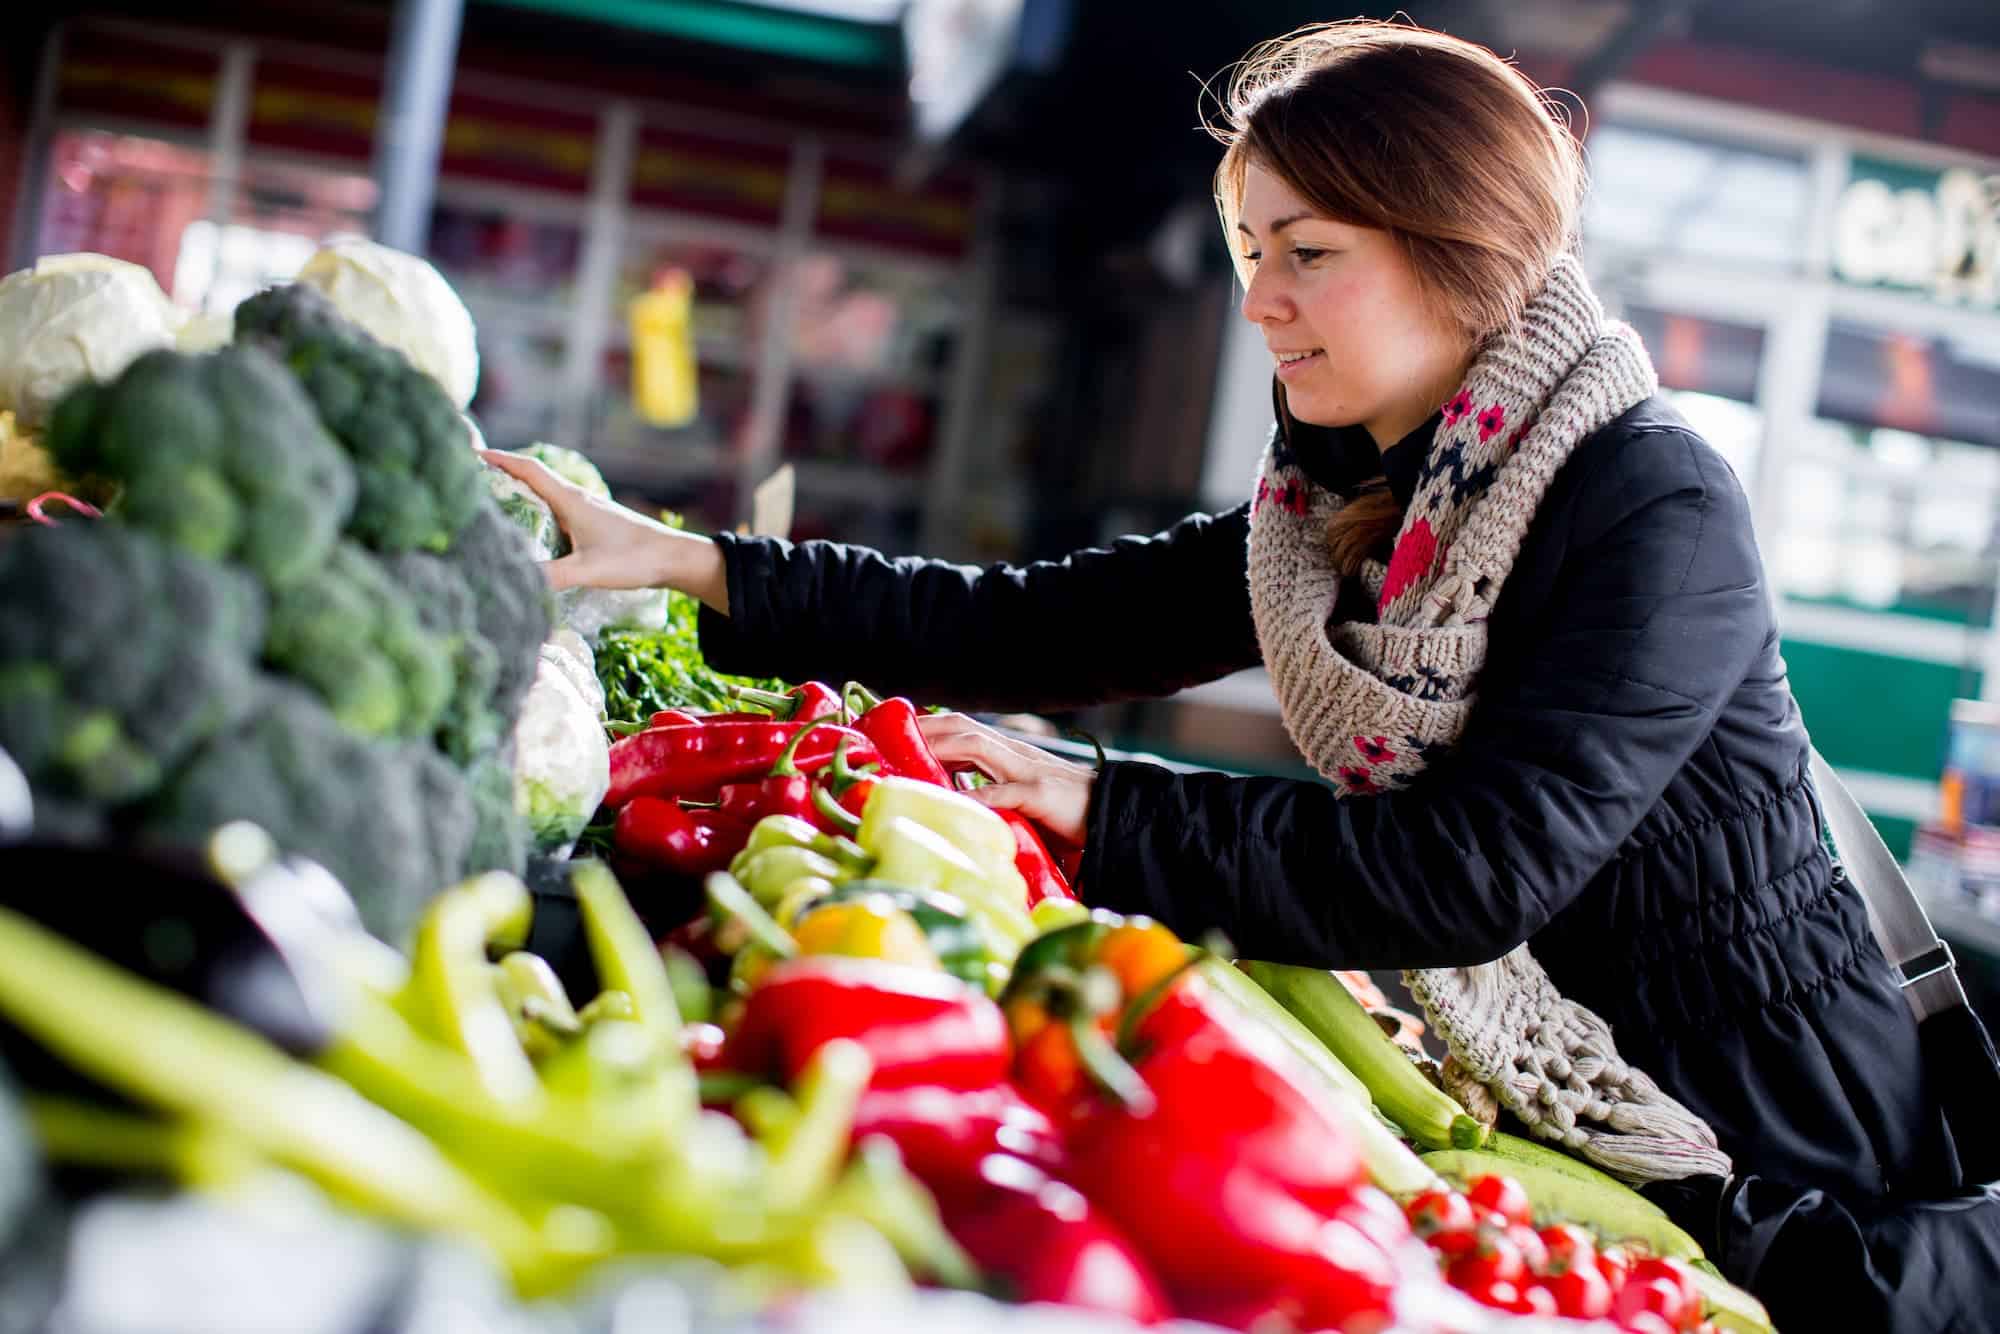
(1370, 704)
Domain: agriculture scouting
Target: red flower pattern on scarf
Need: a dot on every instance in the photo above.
(1359, 782)
(1459, 406)
(1491, 420)
(1412, 557)
(1374, 749)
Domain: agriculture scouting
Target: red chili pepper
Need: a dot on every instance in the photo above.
(944, 1133)
(694, 762)
(663, 834)
(801, 704)
(786, 790)
(920, 1026)
(1049, 1244)
(892, 725)
(1236, 1182)
(1032, 860)
(673, 718)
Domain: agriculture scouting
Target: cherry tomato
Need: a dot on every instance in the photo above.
(1615, 1263)
(1437, 1211)
(1649, 1296)
(1493, 1260)
(1581, 1293)
(1500, 1294)
(1676, 1273)
(1644, 1323)
(1534, 1253)
(1567, 1244)
(1453, 1244)
(1503, 1195)
(1533, 1299)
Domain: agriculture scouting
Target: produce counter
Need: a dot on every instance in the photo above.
(391, 945)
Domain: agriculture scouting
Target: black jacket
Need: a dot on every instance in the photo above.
(1630, 795)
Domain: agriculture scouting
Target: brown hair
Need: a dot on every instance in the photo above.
(1436, 140)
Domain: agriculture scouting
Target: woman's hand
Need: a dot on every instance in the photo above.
(614, 547)
(1051, 791)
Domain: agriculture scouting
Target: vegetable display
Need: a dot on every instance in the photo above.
(818, 1019)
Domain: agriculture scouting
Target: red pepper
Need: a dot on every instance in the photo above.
(1235, 1183)
(801, 704)
(944, 1133)
(785, 790)
(695, 762)
(1032, 860)
(1047, 1243)
(661, 833)
(673, 718)
(892, 725)
(920, 1026)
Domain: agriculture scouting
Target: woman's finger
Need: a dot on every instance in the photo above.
(535, 475)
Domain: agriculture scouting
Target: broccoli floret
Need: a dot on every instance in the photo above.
(511, 601)
(444, 602)
(419, 479)
(118, 655)
(221, 455)
(348, 631)
(392, 821)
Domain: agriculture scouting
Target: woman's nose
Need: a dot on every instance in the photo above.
(1262, 302)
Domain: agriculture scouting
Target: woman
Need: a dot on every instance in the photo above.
(1513, 611)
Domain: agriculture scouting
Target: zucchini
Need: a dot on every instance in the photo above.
(1528, 1152)
(1614, 1212)
(1727, 1306)
(1317, 998)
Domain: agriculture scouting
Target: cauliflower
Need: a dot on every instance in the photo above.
(403, 302)
(72, 318)
(562, 761)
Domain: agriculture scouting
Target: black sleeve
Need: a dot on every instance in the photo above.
(1661, 611)
(1142, 617)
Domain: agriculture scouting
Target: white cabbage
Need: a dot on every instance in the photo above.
(72, 318)
(404, 302)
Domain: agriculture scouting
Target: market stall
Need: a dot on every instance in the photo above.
(361, 899)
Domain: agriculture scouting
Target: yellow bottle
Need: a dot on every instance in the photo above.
(664, 389)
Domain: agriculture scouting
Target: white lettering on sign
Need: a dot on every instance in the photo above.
(1945, 241)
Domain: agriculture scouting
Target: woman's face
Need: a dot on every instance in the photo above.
(1349, 330)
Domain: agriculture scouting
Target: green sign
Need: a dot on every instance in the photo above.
(1936, 232)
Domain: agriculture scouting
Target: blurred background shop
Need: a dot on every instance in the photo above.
(956, 261)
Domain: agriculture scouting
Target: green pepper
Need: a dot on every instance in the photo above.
(968, 825)
(880, 1191)
(85, 1134)
(768, 874)
(808, 1150)
(781, 831)
(542, 1016)
(911, 854)
(452, 987)
(162, 1049)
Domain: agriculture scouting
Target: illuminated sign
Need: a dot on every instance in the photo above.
(1936, 232)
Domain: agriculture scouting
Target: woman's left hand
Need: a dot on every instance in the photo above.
(1051, 791)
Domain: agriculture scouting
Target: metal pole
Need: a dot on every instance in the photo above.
(409, 132)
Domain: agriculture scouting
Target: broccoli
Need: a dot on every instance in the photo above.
(220, 455)
(118, 655)
(419, 479)
(444, 603)
(511, 601)
(393, 822)
(348, 631)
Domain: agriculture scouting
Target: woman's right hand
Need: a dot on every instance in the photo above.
(614, 547)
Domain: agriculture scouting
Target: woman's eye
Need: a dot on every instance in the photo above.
(1253, 257)
(1307, 254)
